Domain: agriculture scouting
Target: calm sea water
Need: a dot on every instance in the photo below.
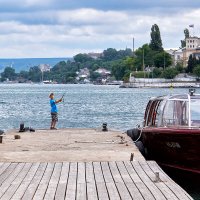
(85, 106)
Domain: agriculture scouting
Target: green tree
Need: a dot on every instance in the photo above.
(124, 53)
(82, 58)
(187, 35)
(156, 73)
(119, 70)
(179, 67)
(126, 76)
(129, 63)
(162, 59)
(170, 73)
(35, 74)
(94, 67)
(64, 72)
(146, 53)
(24, 74)
(94, 76)
(192, 62)
(110, 54)
(196, 71)
(9, 73)
(156, 42)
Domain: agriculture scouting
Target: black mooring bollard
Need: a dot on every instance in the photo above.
(104, 127)
(1, 138)
(21, 128)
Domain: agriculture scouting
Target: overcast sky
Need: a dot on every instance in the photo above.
(63, 28)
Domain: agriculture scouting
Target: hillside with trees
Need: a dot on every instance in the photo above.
(149, 60)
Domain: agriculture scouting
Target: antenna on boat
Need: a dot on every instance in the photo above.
(192, 91)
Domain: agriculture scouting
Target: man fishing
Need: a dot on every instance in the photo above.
(54, 110)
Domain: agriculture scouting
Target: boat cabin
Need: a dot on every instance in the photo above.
(173, 111)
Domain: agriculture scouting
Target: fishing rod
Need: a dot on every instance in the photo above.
(63, 97)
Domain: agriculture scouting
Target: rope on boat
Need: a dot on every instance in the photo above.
(139, 136)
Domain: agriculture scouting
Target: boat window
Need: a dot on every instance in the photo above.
(156, 114)
(175, 113)
(195, 112)
(150, 114)
(146, 112)
(153, 113)
(179, 97)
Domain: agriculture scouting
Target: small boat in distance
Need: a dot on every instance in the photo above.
(171, 131)
(49, 82)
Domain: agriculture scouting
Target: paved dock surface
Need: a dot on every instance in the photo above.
(80, 164)
(78, 145)
(91, 180)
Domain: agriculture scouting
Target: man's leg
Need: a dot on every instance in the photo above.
(55, 121)
(52, 123)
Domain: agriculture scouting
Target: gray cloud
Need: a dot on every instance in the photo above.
(47, 30)
(24, 5)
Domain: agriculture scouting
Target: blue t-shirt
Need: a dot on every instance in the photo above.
(54, 108)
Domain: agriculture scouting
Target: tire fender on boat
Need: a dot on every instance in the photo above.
(134, 133)
(140, 147)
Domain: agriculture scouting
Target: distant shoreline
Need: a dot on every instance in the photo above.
(36, 58)
(20, 64)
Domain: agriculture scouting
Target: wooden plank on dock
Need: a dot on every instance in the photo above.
(3, 167)
(7, 169)
(25, 183)
(1, 163)
(100, 183)
(169, 194)
(6, 184)
(72, 181)
(175, 188)
(147, 181)
(133, 190)
(110, 185)
(123, 191)
(16, 182)
(62, 184)
(81, 183)
(121, 180)
(41, 190)
(144, 190)
(91, 185)
(53, 183)
(32, 187)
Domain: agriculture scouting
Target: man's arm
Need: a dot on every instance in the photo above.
(58, 101)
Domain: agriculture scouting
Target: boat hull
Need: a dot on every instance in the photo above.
(172, 147)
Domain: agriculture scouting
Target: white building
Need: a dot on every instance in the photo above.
(192, 43)
(45, 67)
(192, 47)
(83, 73)
(182, 54)
(176, 54)
(103, 71)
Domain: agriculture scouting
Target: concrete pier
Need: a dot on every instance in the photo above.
(72, 145)
(80, 164)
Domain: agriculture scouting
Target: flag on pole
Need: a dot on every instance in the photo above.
(191, 25)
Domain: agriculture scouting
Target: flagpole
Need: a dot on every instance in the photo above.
(192, 26)
(193, 31)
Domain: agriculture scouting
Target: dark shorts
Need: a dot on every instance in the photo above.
(54, 117)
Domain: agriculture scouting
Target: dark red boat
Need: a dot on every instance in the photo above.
(171, 131)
